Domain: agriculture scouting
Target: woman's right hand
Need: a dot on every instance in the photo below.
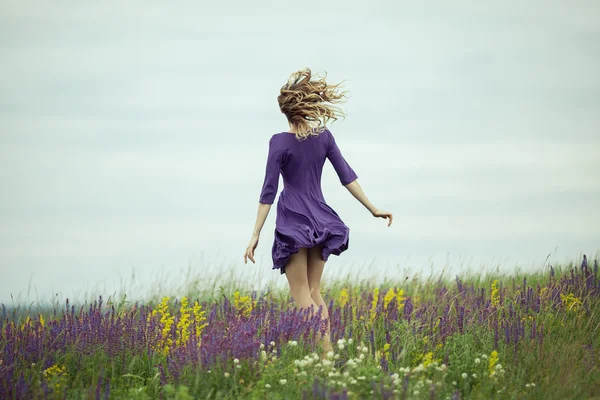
(383, 214)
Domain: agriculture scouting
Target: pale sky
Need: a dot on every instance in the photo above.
(133, 137)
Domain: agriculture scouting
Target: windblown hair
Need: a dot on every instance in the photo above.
(302, 100)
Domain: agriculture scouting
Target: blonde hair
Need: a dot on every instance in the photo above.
(302, 101)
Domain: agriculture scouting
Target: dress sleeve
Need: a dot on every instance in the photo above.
(342, 168)
(272, 171)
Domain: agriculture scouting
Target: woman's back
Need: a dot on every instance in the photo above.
(301, 165)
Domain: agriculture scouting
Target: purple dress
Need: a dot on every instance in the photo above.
(303, 217)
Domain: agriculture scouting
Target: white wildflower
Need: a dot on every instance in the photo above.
(353, 382)
(236, 361)
(267, 386)
(282, 381)
(464, 375)
(226, 374)
(474, 375)
(477, 361)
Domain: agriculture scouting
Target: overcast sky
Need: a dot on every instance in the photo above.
(134, 136)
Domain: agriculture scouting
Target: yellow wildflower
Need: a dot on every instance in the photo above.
(389, 296)
(570, 301)
(386, 351)
(243, 304)
(199, 318)
(400, 298)
(493, 360)
(495, 296)
(184, 322)
(343, 297)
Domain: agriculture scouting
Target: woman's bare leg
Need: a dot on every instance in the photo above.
(295, 272)
(315, 266)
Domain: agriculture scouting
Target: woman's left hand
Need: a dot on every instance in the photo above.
(250, 249)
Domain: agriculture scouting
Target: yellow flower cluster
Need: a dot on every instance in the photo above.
(428, 359)
(389, 296)
(243, 304)
(571, 302)
(493, 360)
(25, 323)
(55, 373)
(166, 320)
(183, 334)
(344, 297)
(386, 351)
(373, 311)
(495, 296)
(400, 298)
(199, 318)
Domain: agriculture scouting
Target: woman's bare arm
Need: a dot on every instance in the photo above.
(354, 188)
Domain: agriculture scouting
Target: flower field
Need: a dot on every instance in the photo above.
(534, 336)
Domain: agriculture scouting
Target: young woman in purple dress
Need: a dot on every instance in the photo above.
(307, 229)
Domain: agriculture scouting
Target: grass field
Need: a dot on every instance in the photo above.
(526, 336)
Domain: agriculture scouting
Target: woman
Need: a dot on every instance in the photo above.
(307, 230)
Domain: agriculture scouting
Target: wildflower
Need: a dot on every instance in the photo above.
(474, 375)
(350, 341)
(343, 297)
(238, 366)
(184, 322)
(293, 343)
(236, 361)
(386, 351)
(364, 349)
(226, 374)
(330, 354)
(493, 360)
(199, 318)
(268, 386)
(389, 296)
(454, 383)
(400, 298)
(464, 375)
(243, 304)
(272, 343)
(262, 346)
(282, 381)
(353, 382)
(477, 361)
(495, 297)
